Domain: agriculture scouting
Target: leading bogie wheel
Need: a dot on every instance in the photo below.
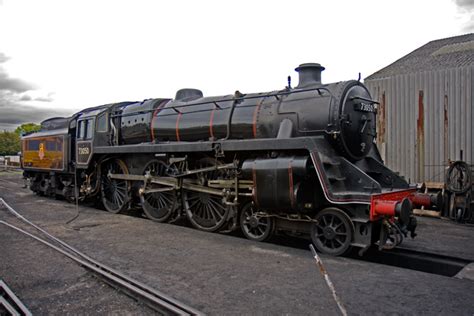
(158, 206)
(115, 192)
(255, 226)
(333, 232)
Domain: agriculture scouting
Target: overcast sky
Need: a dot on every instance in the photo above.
(57, 57)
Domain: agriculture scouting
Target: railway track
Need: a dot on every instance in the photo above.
(416, 260)
(153, 298)
(399, 257)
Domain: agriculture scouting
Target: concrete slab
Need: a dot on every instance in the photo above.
(467, 272)
(218, 274)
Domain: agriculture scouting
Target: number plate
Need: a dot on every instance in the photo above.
(365, 107)
(84, 150)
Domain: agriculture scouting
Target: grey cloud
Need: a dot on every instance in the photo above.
(44, 99)
(17, 97)
(13, 92)
(466, 4)
(12, 115)
(467, 7)
(13, 84)
(25, 98)
(469, 27)
(3, 58)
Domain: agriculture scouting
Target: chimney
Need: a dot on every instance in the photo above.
(310, 75)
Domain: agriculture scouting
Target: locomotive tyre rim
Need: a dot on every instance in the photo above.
(115, 192)
(206, 211)
(158, 206)
(254, 227)
(333, 232)
(458, 177)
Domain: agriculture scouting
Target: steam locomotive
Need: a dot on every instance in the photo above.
(299, 161)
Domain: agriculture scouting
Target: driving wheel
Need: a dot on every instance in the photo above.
(206, 211)
(115, 192)
(158, 206)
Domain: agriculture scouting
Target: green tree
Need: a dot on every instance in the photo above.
(27, 128)
(9, 143)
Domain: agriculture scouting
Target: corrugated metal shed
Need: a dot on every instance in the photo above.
(426, 108)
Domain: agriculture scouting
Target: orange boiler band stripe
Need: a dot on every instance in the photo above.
(211, 122)
(254, 121)
(290, 180)
(155, 113)
(177, 126)
(254, 178)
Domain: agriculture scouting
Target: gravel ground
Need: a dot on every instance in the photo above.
(217, 274)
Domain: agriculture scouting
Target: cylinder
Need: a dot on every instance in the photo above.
(278, 182)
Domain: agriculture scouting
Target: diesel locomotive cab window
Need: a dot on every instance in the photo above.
(33, 144)
(51, 146)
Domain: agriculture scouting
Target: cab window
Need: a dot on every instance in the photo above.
(85, 129)
(102, 123)
(80, 128)
(89, 129)
(33, 144)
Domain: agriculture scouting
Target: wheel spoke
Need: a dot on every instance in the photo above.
(338, 241)
(191, 206)
(119, 198)
(338, 225)
(324, 221)
(218, 204)
(207, 214)
(215, 213)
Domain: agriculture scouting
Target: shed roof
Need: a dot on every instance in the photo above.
(451, 52)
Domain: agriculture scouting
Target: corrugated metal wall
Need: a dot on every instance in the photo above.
(424, 120)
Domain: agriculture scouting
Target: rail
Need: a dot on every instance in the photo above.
(155, 299)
